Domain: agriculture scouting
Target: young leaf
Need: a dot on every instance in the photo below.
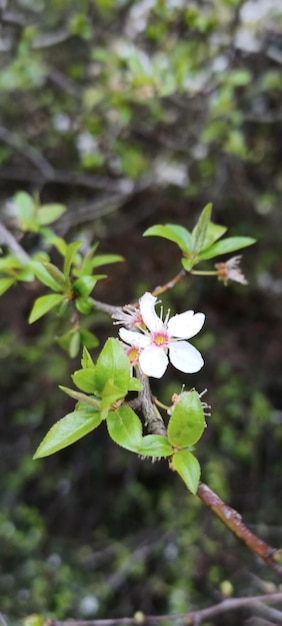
(42, 305)
(87, 360)
(187, 421)
(84, 305)
(188, 467)
(112, 365)
(85, 379)
(5, 284)
(44, 276)
(82, 397)
(155, 445)
(56, 274)
(173, 232)
(125, 428)
(71, 251)
(65, 340)
(66, 431)
(25, 208)
(200, 231)
(188, 263)
(83, 286)
(88, 339)
(135, 384)
(105, 259)
(74, 344)
(227, 245)
(49, 213)
(214, 232)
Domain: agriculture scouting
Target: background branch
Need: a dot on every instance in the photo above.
(193, 618)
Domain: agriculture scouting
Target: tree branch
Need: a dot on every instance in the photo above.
(9, 240)
(193, 618)
(233, 520)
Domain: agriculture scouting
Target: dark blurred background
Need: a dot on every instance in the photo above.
(134, 113)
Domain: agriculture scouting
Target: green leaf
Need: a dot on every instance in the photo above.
(81, 397)
(88, 339)
(71, 251)
(227, 245)
(105, 259)
(135, 384)
(173, 232)
(85, 379)
(43, 275)
(49, 213)
(5, 284)
(125, 428)
(42, 305)
(87, 360)
(25, 207)
(188, 263)
(66, 431)
(188, 467)
(70, 341)
(214, 232)
(74, 344)
(187, 421)
(56, 274)
(84, 305)
(111, 399)
(155, 445)
(83, 286)
(200, 231)
(113, 365)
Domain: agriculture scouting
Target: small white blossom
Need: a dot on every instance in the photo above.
(152, 343)
(230, 270)
(129, 316)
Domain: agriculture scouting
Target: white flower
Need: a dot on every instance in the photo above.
(230, 270)
(162, 337)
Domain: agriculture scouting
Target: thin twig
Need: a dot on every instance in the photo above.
(170, 284)
(9, 240)
(192, 618)
(2, 620)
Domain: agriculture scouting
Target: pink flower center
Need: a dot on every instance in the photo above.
(161, 339)
(133, 355)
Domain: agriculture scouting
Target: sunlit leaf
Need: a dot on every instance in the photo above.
(125, 428)
(174, 233)
(187, 421)
(71, 251)
(42, 305)
(155, 445)
(188, 467)
(81, 397)
(200, 231)
(49, 213)
(66, 431)
(112, 365)
(225, 246)
(84, 379)
(5, 284)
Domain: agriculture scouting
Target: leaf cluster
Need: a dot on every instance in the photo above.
(202, 243)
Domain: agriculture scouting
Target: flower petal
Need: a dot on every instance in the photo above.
(133, 338)
(186, 324)
(185, 357)
(149, 316)
(153, 361)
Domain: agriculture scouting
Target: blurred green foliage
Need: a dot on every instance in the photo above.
(134, 113)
